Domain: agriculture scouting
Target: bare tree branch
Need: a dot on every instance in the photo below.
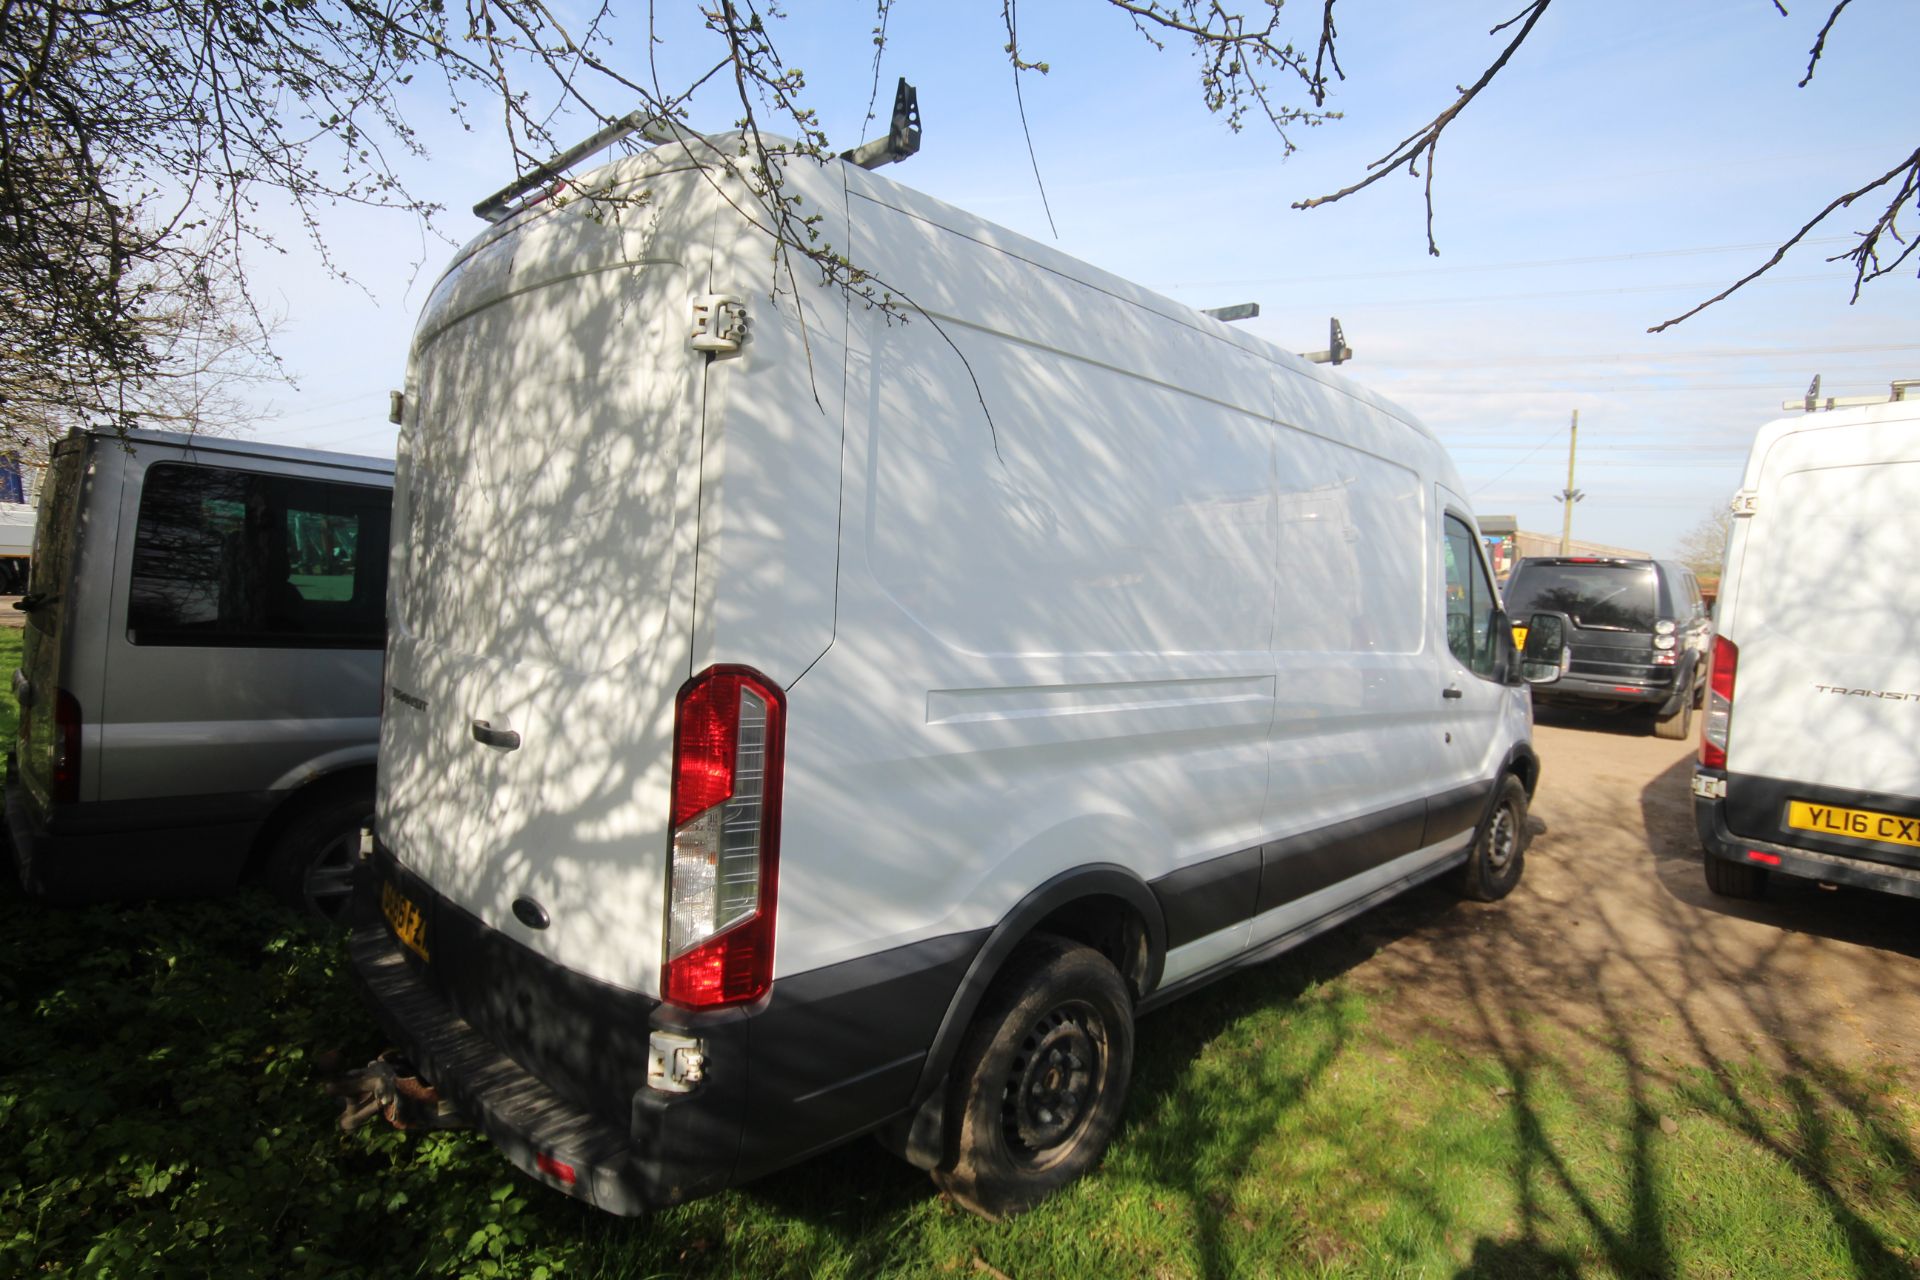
(1864, 255)
(1010, 16)
(1409, 151)
(1820, 43)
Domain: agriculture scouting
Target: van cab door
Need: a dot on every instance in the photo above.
(1474, 700)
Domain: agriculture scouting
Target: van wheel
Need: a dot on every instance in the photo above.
(1500, 849)
(1040, 1079)
(311, 867)
(1735, 879)
(1677, 726)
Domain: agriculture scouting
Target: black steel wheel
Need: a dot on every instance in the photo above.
(1499, 851)
(1040, 1080)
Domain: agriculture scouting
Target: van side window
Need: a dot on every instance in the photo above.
(1470, 601)
(230, 558)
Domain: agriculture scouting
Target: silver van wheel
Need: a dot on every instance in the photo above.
(311, 868)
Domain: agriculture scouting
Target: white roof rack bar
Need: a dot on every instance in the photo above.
(499, 206)
(1901, 389)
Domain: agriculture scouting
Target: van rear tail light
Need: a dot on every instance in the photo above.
(727, 758)
(63, 781)
(1719, 717)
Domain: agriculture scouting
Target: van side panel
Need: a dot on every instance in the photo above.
(279, 709)
(1086, 598)
(770, 452)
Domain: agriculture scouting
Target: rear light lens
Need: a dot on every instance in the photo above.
(1719, 717)
(558, 1170)
(63, 779)
(727, 762)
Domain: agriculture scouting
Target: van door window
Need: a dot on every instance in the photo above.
(1470, 601)
(229, 558)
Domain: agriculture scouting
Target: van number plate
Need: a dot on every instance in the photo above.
(1855, 824)
(405, 919)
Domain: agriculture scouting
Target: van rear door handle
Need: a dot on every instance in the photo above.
(487, 735)
(1452, 691)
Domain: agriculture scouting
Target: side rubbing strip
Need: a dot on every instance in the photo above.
(1205, 898)
(1306, 863)
(1456, 811)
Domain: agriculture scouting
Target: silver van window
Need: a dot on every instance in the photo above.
(228, 558)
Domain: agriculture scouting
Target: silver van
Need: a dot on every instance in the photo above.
(199, 684)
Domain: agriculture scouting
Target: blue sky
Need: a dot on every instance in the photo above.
(1632, 160)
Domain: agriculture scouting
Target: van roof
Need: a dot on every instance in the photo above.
(877, 187)
(1894, 411)
(243, 448)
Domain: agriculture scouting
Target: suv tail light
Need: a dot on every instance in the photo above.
(63, 779)
(729, 730)
(1719, 717)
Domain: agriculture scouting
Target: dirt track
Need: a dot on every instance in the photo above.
(1613, 938)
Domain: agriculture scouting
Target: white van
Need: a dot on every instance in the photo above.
(199, 684)
(856, 729)
(1807, 761)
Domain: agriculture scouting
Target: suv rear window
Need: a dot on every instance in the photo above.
(1602, 597)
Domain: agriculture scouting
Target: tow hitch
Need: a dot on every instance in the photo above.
(391, 1088)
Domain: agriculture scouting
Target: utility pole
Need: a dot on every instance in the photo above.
(1569, 495)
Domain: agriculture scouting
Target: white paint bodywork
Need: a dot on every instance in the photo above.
(1819, 596)
(1055, 572)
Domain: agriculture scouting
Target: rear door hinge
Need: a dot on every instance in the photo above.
(1745, 503)
(719, 323)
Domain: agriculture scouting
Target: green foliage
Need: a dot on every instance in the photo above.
(161, 1114)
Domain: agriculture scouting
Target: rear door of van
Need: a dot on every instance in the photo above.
(1826, 621)
(545, 511)
(49, 737)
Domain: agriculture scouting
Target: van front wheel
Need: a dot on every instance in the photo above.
(1040, 1079)
(1499, 850)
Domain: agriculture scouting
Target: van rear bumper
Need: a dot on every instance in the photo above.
(1573, 690)
(551, 1064)
(524, 1118)
(124, 849)
(1710, 819)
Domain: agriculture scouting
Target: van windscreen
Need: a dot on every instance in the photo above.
(1598, 597)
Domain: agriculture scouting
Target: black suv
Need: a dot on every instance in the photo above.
(1640, 634)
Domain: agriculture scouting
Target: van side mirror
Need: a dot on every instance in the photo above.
(1544, 655)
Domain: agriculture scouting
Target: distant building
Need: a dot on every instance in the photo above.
(1508, 542)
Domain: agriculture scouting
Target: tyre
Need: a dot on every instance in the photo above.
(1500, 848)
(311, 865)
(1677, 726)
(1735, 879)
(1040, 1079)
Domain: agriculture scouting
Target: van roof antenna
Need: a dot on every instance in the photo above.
(903, 138)
(499, 206)
(1337, 352)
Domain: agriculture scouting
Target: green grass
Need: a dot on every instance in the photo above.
(161, 1114)
(9, 662)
